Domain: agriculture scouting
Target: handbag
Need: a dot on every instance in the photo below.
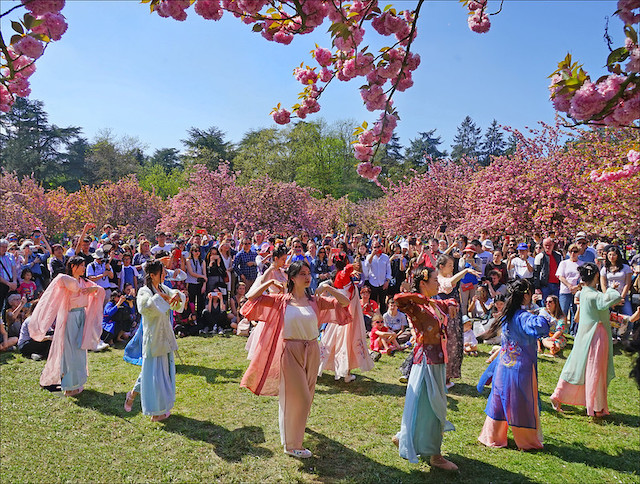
(466, 286)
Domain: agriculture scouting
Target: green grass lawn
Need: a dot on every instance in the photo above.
(221, 432)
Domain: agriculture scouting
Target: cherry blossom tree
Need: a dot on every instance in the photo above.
(613, 100)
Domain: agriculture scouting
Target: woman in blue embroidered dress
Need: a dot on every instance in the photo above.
(513, 401)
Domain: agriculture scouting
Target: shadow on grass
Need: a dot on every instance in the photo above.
(230, 445)
(333, 462)
(212, 375)
(626, 461)
(7, 356)
(362, 385)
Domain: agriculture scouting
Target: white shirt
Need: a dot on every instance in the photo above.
(520, 267)
(300, 322)
(378, 269)
(166, 247)
(569, 270)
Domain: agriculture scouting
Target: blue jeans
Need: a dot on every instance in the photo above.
(550, 289)
(569, 309)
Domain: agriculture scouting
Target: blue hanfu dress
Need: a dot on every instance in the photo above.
(424, 419)
(514, 393)
(157, 380)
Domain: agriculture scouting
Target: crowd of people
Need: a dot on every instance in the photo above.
(433, 296)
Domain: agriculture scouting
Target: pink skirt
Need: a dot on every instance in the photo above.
(593, 394)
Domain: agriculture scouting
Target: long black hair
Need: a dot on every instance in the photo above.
(75, 261)
(152, 267)
(512, 304)
(619, 261)
(279, 251)
(293, 270)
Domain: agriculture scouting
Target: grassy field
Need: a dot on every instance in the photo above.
(220, 432)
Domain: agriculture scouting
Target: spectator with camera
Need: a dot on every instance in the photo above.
(8, 272)
(117, 318)
(57, 262)
(214, 316)
(99, 271)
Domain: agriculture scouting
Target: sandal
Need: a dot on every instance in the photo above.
(160, 418)
(557, 406)
(128, 403)
(395, 441)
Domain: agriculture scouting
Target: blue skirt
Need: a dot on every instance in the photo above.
(424, 419)
(157, 384)
(73, 364)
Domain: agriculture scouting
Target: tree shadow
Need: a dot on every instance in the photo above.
(627, 460)
(363, 386)
(332, 462)
(230, 445)
(212, 375)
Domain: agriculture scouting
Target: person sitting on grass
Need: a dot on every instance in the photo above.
(215, 314)
(184, 322)
(557, 326)
(382, 338)
(396, 321)
(469, 339)
(14, 315)
(36, 350)
(7, 343)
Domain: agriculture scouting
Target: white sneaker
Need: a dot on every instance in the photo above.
(449, 385)
(299, 453)
(101, 346)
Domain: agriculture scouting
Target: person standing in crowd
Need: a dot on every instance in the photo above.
(545, 267)
(522, 263)
(74, 303)
(162, 244)
(99, 272)
(471, 278)
(513, 401)
(287, 355)
(156, 383)
(589, 369)
(8, 273)
(56, 262)
(244, 264)
(378, 271)
(569, 278)
(498, 264)
(196, 279)
(424, 419)
(587, 254)
(486, 256)
(617, 272)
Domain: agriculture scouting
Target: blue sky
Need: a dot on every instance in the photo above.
(118, 67)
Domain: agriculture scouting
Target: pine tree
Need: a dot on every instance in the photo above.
(467, 140)
(423, 149)
(493, 144)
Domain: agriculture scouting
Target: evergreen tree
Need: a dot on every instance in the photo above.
(207, 147)
(30, 145)
(493, 144)
(466, 141)
(167, 158)
(422, 149)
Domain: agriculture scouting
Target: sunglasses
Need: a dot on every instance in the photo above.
(574, 251)
(548, 302)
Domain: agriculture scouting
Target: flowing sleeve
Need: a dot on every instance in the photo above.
(607, 299)
(151, 304)
(331, 311)
(534, 325)
(183, 299)
(53, 301)
(260, 308)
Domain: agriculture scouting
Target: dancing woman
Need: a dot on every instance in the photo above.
(157, 380)
(75, 305)
(589, 368)
(287, 355)
(344, 348)
(514, 393)
(424, 418)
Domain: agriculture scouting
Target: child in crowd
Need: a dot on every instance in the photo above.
(381, 338)
(480, 305)
(469, 339)
(396, 321)
(129, 274)
(27, 288)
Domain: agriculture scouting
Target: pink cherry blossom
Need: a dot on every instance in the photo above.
(282, 116)
(323, 56)
(209, 9)
(53, 25)
(586, 102)
(626, 8)
(40, 7)
(283, 37)
(368, 171)
(30, 47)
(479, 22)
